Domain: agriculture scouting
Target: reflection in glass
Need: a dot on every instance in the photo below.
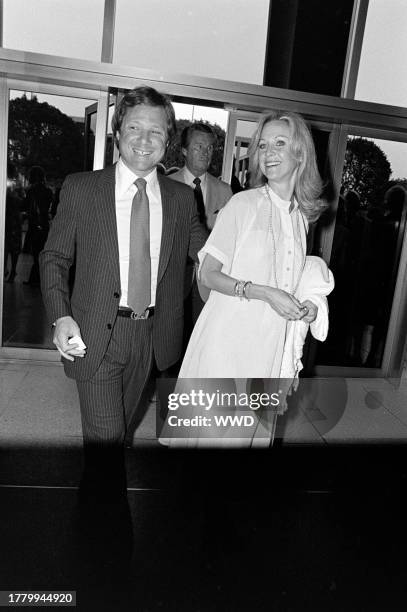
(307, 43)
(240, 174)
(369, 232)
(109, 147)
(45, 143)
(90, 134)
(321, 143)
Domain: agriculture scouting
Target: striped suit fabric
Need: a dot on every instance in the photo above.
(84, 231)
(84, 234)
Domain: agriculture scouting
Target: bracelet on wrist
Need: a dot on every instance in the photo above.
(245, 286)
(240, 289)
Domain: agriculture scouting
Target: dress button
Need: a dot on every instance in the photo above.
(109, 326)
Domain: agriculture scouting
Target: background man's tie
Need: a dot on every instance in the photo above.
(200, 201)
(139, 285)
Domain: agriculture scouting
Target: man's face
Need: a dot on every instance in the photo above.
(198, 154)
(143, 138)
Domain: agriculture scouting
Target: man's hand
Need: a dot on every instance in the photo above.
(66, 328)
(311, 313)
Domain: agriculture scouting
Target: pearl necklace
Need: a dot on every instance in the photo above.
(271, 230)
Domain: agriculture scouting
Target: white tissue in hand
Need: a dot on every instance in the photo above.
(77, 340)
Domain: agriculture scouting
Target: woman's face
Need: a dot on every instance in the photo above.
(275, 158)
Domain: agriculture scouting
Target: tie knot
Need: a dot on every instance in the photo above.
(197, 181)
(140, 184)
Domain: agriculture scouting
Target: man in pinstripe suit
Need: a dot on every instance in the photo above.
(91, 228)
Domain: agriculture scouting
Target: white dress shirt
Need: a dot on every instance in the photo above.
(290, 234)
(125, 190)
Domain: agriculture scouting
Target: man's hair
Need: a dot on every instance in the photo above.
(149, 97)
(187, 132)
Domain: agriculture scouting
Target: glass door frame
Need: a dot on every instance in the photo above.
(235, 115)
(395, 348)
(397, 328)
(75, 77)
(7, 84)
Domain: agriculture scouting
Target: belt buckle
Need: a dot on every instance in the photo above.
(144, 315)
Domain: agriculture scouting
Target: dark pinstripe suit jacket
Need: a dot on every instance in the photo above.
(84, 231)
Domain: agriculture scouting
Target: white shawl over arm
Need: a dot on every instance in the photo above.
(316, 283)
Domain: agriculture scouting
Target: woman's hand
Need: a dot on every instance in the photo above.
(285, 304)
(311, 313)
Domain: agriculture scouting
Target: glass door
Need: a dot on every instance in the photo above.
(368, 259)
(50, 134)
(240, 128)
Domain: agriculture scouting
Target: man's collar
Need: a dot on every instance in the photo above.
(189, 177)
(126, 177)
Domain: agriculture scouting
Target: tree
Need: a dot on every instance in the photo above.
(40, 134)
(174, 155)
(398, 181)
(366, 171)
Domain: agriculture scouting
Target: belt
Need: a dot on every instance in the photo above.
(130, 314)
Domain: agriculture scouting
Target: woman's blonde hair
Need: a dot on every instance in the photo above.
(308, 184)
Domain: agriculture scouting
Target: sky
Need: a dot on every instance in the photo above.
(382, 70)
(165, 36)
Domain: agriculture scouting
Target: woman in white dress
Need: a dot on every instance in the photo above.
(254, 258)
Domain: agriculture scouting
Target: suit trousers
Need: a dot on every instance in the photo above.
(109, 400)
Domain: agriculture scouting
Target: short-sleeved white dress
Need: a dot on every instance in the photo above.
(236, 338)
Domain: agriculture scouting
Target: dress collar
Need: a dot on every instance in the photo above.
(279, 202)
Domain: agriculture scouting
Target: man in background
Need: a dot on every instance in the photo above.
(211, 194)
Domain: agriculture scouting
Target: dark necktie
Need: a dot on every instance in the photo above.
(139, 283)
(200, 201)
